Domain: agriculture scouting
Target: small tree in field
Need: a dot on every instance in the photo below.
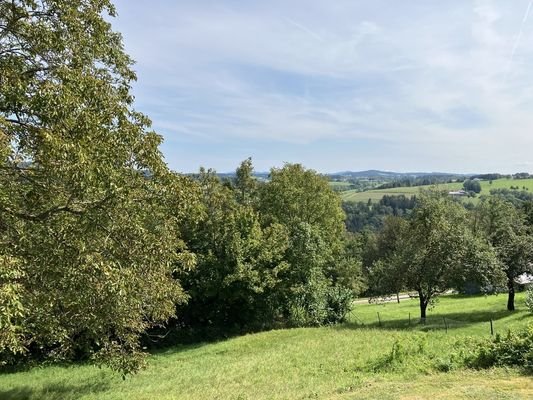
(385, 280)
(506, 229)
(472, 186)
(438, 250)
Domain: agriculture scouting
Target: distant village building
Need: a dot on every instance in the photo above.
(524, 280)
(458, 193)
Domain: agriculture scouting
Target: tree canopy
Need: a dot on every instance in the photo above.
(88, 244)
(506, 229)
(268, 254)
(472, 185)
(436, 250)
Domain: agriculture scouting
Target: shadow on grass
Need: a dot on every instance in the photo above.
(435, 321)
(179, 347)
(28, 365)
(54, 391)
(175, 340)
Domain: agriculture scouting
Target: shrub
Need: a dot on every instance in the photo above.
(308, 302)
(529, 299)
(339, 304)
(318, 303)
(401, 356)
(514, 349)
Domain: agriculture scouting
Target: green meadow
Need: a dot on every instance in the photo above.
(377, 194)
(339, 184)
(389, 357)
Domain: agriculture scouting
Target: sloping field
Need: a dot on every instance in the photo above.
(486, 186)
(350, 361)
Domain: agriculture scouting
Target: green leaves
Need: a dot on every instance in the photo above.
(268, 254)
(436, 249)
(11, 307)
(506, 229)
(90, 217)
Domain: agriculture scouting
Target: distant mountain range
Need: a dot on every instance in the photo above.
(369, 174)
(372, 173)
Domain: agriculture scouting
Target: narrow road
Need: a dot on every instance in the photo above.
(403, 296)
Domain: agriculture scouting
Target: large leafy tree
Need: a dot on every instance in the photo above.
(267, 254)
(437, 250)
(245, 183)
(239, 262)
(385, 249)
(507, 230)
(296, 195)
(303, 202)
(88, 240)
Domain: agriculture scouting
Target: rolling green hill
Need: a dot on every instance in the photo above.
(361, 359)
(486, 186)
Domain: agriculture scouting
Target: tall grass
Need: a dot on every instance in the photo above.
(356, 360)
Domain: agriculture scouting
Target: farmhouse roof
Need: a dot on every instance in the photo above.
(524, 279)
(457, 193)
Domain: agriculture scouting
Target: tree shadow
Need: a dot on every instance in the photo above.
(180, 347)
(436, 321)
(176, 340)
(54, 391)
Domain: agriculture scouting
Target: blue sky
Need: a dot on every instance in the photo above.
(417, 85)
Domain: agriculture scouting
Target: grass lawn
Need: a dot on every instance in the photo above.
(376, 195)
(340, 362)
(462, 315)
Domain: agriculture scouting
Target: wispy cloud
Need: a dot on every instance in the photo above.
(304, 29)
(417, 85)
(518, 39)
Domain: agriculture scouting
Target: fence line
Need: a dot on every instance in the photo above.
(438, 322)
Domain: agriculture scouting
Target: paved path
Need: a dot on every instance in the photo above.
(384, 299)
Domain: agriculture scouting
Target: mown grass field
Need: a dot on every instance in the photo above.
(349, 361)
(339, 184)
(376, 195)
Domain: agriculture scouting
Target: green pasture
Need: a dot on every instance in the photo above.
(348, 361)
(341, 184)
(377, 194)
(446, 314)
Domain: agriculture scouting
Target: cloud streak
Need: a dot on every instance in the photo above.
(304, 29)
(336, 86)
(518, 39)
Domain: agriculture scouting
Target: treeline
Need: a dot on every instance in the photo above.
(268, 255)
(369, 216)
(362, 216)
(421, 181)
(515, 196)
(441, 179)
(360, 185)
(442, 245)
(495, 176)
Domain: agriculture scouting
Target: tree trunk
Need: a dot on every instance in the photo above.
(510, 299)
(423, 306)
(398, 297)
